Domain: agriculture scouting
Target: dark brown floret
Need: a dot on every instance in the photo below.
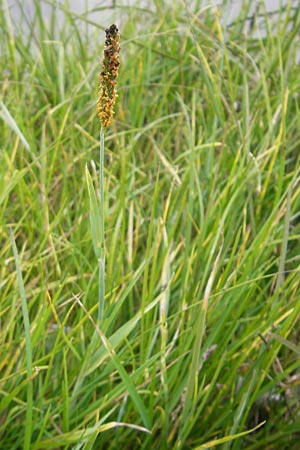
(109, 75)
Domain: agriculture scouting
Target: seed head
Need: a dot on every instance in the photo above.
(108, 76)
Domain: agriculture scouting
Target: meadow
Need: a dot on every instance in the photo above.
(198, 344)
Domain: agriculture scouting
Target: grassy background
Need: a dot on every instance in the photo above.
(200, 337)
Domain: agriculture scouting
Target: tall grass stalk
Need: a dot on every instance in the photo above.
(105, 107)
(101, 259)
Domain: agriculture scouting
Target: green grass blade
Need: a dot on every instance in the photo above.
(10, 121)
(228, 439)
(28, 347)
(137, 400)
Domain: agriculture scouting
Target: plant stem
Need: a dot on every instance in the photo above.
(101, 260)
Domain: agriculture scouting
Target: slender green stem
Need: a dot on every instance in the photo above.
(101, 259)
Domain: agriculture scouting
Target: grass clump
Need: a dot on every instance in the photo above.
(198, 343)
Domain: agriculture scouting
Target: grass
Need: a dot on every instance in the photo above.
(199, 342)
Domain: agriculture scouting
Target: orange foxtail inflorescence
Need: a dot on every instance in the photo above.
(108, 76)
